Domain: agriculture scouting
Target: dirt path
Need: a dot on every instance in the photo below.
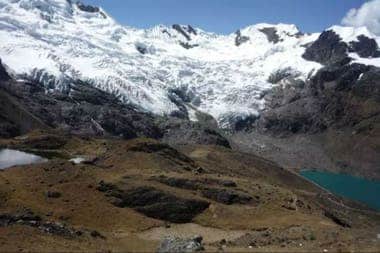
(209, 234)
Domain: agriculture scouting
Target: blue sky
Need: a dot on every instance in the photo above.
(226, 16)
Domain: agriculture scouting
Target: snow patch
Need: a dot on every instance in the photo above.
(53, 38)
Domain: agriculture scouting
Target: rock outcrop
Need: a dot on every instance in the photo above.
(328, 49)
(365, 47)
(341, 100)
(155, 203)
(271, 34)
(175, 244)
(87, 8)
(339, 96)
(4, 76)
(85, 110)
(177, 131)
(240, 39)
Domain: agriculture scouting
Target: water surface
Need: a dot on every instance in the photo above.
(11, 157)
(354, 188)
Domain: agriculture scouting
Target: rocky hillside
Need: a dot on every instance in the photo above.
(87, 111)
(331, 121)
(140, 195)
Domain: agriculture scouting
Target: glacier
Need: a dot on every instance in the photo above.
(55, 42)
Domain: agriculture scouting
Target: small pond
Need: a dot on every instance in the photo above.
(354, 188)
(11, 157)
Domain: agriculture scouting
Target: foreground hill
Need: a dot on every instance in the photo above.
(129, 195)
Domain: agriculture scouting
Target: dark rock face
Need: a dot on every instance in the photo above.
(341, 105)
(271, 34)
(3, 73)
(164, 206)
(365, 47)
(191, 30)
(227, 197)
(187, 45)
(179, 29)
(8, 129)
(337, 78)
(157, 204)
(239, 123)
(328, 49)
(82, 92)
(141, 49)
(15, 120)
(281, 74)
(369, 85)
(85, 111)
(179, 97)
(182, 94)
(87, 8)
(186, 31)
(335, 96)
(240, 39)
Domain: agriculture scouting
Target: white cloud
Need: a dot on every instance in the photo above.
(367, 15)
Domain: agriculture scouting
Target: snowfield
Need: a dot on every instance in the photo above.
(57, 41)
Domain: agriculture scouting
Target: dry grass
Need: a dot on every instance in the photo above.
(83, 207)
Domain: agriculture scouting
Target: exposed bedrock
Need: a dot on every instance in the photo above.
(365, 47)
(85, 110)
(327, 49)
(330, 122)
(155, 203)
(240, 39)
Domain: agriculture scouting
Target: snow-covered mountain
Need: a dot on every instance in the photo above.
(57, 41)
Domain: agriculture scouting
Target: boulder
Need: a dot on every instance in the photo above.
(53, 194)
(175, 244)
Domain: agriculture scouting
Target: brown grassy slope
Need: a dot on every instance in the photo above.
(285, 212)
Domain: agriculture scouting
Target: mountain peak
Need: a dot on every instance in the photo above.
(62, 7)
(349, 33)
(280, 27)
(65, 41)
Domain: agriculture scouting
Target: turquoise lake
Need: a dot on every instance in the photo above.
(354, 188)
